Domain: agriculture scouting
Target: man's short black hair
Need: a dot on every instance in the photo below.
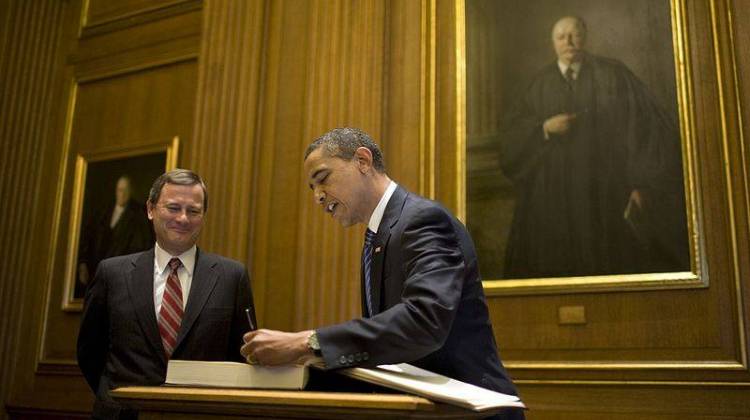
(343, 142)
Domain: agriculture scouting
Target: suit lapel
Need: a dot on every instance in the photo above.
(141, 290)
(204, 280)
(390, 217)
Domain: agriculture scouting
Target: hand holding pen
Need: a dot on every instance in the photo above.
(250, 319)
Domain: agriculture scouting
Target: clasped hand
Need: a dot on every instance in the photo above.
(559, 124)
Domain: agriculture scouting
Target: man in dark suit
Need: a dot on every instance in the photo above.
(422, 296)
(170, 302)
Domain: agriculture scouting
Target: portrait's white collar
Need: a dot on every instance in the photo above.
(564, 68)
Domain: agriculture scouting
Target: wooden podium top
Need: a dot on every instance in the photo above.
(165, 402)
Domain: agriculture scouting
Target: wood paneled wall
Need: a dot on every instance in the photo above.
(298, 69)
(246, 85)
(29, 47)
(103, 78)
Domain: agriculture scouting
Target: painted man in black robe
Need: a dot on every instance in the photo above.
(597, 170)
(119, 228)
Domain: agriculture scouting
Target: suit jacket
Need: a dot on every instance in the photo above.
(119, 342)
(429, 305)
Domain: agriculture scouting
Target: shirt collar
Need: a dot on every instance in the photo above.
(564, 67)
(377, 214)
(162, 257)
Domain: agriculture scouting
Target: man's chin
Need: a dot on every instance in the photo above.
(345, 222)
(183, 242)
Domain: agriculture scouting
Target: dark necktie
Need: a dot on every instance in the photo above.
(570, 75)
(170, 314)
(570, 78)
(366, 266)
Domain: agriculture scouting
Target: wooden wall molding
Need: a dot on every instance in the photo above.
(572, 401)
(739, 32)
(85, 74)
(135, 17)
(173, 35)
(60, 367)
(50, 273)
(737, 181)
(19, 412)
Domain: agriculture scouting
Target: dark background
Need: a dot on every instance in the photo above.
(101, 183)
(101, 180)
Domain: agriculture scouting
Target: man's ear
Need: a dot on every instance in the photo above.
(363, 156)
(150, 208)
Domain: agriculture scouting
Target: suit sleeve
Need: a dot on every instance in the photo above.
(93, 335)
(433, 269)
(243, 300)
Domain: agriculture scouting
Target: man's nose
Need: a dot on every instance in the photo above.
(320, 196)
(183, 216)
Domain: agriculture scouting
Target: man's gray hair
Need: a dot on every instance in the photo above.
(579, 21)
(177, 177)
(343, 142)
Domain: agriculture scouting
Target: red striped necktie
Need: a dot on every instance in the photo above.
(170, 314)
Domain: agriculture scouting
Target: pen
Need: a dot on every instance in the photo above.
(250, 319)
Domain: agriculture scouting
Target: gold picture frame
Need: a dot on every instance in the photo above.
(97, 172)
(696, 276)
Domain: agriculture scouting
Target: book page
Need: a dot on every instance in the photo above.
(408, 378)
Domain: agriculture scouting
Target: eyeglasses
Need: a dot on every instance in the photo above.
(176, 210)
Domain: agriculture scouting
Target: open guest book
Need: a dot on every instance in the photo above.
(402, 377)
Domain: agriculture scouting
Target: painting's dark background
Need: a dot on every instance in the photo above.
(101, 182)
(508, 42)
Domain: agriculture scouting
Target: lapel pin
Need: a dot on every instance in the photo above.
(377, 249)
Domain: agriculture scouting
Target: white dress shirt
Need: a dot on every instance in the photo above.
(377, 214)
(162, 270)
(575, 66)
(116, 213)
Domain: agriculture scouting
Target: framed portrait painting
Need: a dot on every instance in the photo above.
(576, 130)
(108, 209)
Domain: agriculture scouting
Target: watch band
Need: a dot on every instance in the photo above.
(312, 344)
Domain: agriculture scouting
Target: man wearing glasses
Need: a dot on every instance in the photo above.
(173, 301)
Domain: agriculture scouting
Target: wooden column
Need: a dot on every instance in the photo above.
(29, 41)
(223, 150)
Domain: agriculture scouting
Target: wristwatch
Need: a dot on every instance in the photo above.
(312, 344)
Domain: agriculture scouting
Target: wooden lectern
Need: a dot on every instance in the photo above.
(167, 402)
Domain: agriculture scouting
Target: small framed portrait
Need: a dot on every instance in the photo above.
(108, 209)
(575, 134)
